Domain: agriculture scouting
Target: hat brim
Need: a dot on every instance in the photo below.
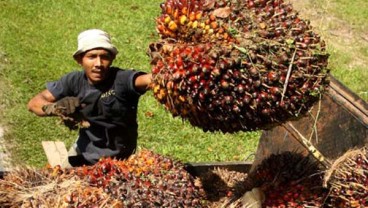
(112, 49)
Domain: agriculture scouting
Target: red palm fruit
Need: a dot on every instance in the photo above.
(275, 90)
(272, 76)
(240, 88)
(347, 180)
(215, 72)
(224, 84)
(247, 99)
(179, 62)
(263, 96)
(156, 70)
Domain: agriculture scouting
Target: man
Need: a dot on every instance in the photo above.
(105, 96)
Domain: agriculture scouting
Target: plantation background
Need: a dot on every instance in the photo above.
(38, 37)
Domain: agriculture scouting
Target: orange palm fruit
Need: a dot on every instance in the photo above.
(184, 10)
(212, 17)
(183, 19)
(198, 15)
(214, 25)
(192, 16)
(173, 26)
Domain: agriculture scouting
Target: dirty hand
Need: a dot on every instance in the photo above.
(64, 106)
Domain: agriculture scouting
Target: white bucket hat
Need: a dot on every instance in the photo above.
(94, 38)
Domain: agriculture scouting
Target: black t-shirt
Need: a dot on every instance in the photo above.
(111, 109)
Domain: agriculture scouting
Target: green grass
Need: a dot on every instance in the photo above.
(37, 39)
(352, 55)
(355, 12)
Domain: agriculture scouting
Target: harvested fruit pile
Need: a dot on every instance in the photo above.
(348, 180)
(144, 180)
(236, 65)
(293, 180)
(147, 179)
(290, 180)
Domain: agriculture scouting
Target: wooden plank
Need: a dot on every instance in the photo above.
(63, 153)
(56, 152)
(359, 108)
(198, 169)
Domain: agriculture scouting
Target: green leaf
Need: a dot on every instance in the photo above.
(241, 49)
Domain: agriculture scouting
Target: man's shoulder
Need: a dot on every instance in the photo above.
(125, 71)
(74, 77)
(76, 74)
(122, 72)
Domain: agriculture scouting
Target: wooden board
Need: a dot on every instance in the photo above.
(201, 168)
(55, 151)
(336, 124)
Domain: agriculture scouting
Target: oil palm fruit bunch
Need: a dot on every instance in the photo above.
(237, 65)
(348, 180)
(289, 180)
(50, 187)
(145, 179)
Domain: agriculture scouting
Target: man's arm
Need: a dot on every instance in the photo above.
(37, 102)
(142, 82)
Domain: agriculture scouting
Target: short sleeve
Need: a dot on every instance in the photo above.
(125, 82)
(66, 85)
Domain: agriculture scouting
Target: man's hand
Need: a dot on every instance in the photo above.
(64, 106)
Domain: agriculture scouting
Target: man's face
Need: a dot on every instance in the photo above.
(96, 63)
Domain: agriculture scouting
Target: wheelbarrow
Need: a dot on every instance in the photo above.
(337, 123)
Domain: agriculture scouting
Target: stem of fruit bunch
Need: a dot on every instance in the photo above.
(314, 129)
(288, 75)
(307, 144)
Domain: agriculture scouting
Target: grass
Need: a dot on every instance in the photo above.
(352, 48)
(38, 37)
(342, 24)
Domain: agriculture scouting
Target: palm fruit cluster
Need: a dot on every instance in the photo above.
(348, 180)
(237, 65)
(145, 179)
(289, 180)
(27, 187)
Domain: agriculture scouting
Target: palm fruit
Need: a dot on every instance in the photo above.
(236, 65)
(51, 187)
(348, 180)
(145, 179)
(289, 180)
